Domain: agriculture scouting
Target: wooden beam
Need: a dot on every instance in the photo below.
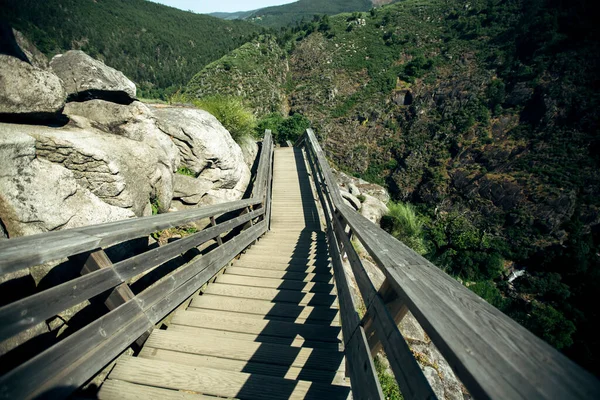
(96, 260)
(213, 222)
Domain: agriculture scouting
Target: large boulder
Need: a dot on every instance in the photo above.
(121, 172)
(87, 78)
(373, 209)
(34, 56)
(39, 196)
(190, 190)
(27, 91)
(207, 150)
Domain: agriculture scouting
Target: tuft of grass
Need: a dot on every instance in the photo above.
(361, 198)
(231, 112)
(388, 383)
(404, 224)
(186, 171)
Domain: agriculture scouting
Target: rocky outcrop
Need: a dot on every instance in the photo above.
(37, 195)
(27, 91)
(367, 198)
(207, 150)
(87, 78)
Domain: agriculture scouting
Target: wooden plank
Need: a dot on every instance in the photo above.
(243, 350)
(307, 287)
(365, 384)
(294, 342)
(265, 308)
(30, 311)
(213, 222)
(273, 295)
(23, 252)
(121, 390)
(97, 260)
(159, 300)
(64, 367)
(195, 360)
(221, 383)
(492, 355)
(381, 328)
(236, 322)
(282, 267)
(296, 320)
(292, 276)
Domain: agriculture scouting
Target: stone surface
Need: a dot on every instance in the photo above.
(28, 91)
(207, 149)
(351, 200)
(249, 150)
(39, 196)
(34, 56)
(190, 190)
(411, 329)
(373, 209)
(85, 76)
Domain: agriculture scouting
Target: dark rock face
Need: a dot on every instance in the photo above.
(85, 78)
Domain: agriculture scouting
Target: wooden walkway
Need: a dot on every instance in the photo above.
(267, 328)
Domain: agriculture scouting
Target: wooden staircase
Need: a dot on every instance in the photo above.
(267, 328)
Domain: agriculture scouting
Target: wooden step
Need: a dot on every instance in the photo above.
(216, 382)
(293, 342)
(283, 267)
(283, 259)
(195, 360)
(273, 295)
(121, 390)
(236, 322)
(306, 287)
(243, 350)
(267, 273)
(265, 308)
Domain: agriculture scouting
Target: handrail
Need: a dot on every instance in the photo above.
(62, 368)
(492, 355)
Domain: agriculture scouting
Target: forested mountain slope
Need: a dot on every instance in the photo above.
(286, 14)
(156, 46)
(484, 115)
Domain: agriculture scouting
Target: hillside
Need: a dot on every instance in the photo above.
(484, 115)
(287, 14)
(158, 47)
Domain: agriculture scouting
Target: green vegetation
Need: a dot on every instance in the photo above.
(404, 224)
(158, 47)
(231, 111)
(284, 129)
(389, 386)
(186, 171)
(287, 14)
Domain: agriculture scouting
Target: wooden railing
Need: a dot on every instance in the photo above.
(492, 355)
(62, 368)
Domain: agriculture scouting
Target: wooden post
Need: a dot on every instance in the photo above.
(213, 222)
(397, 310)
(97, 259)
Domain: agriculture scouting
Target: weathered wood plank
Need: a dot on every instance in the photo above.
(221, 383)
(365, 384)
(380, 325)
(23, 252)
(265, 308)
(291, 276)
(273, 295)
(243, 350)
(307, 287)
(294, 342)
(62, 368)
(236, 322)
(30, 311)
(492, 355)
(121, 390)
(195, 360)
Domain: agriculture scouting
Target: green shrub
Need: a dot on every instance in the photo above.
(389, 386)
(361, 198)
(284, 129)
(231, 112)
(186, 171)
(404, 224)
(489, 292)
